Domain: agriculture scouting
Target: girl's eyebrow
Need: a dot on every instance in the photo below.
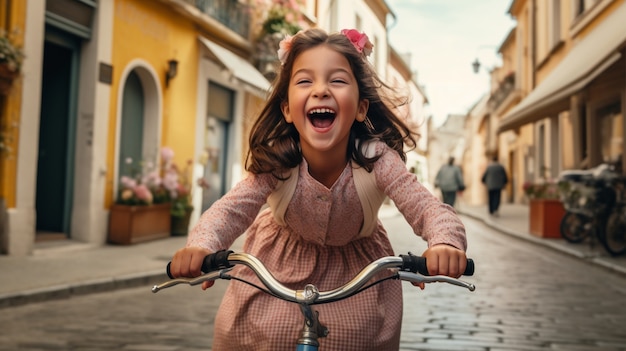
(308, 70)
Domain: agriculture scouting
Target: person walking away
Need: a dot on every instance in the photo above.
(495, 179)
(450, 180)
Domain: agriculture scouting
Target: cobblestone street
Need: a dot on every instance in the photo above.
(527, 298)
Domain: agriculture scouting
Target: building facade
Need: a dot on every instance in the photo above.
(109, 81)
(570, 70)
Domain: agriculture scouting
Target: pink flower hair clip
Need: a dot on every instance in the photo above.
(283, 49)
(360, 41)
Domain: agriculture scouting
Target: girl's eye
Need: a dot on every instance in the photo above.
(302, 81)
(338, 81)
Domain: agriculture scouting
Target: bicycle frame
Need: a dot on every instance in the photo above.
(218, 266)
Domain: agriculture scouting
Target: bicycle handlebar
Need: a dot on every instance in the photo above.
(411, 263)
(217, 266)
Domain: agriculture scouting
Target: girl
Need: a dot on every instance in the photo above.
(324, 153)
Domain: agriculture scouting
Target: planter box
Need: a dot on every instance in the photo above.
(180, 225)
(134, 224)
(545, 218)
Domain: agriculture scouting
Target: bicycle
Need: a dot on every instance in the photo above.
(615, 231)
(594, 203)
(409, 268)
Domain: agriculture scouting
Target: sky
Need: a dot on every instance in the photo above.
(444, 37)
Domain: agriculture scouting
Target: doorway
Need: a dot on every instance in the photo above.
(57, 124)
(219, 118)
(132, 126)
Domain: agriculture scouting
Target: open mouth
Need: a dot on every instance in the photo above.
(322, 117)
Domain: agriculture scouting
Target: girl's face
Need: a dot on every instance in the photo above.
(323, 100)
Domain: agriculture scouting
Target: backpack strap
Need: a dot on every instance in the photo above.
(370, 196)
(279, 199)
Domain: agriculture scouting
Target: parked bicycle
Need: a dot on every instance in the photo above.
(404, 267)
(615, 231)
(594, 201)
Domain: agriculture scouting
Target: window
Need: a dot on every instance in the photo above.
(568, 141)
(585, 12)
(541, 151)
(583, 132)
(579, 7)
(611, 132)
(555, 26)
(582, 6)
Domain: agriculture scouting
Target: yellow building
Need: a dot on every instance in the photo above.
(107, 81)
(570, 70)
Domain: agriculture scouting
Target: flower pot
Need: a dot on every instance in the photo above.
(133, 224)
(545, 217)
(180, 224)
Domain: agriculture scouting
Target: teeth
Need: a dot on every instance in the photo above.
(321, 110)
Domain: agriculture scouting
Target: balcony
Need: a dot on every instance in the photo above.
(506, 88)
(231, 13)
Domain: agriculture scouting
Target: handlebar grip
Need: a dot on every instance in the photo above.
(216, 261)
(212, 262)
(414, 264)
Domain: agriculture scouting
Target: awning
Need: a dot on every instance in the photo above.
(591, 56)
(237, 66)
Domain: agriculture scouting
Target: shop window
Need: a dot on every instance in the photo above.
(611, 132)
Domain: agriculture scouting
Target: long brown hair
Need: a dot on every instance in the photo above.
(274, 143)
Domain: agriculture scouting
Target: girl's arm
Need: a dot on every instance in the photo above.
(230, 216)
(221, 224)
(430, 218)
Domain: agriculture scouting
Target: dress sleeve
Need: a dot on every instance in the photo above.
(230, 216)
(434, 221)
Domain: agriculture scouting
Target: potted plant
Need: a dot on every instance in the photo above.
(546, 209)
(177, 181)
(280, 19)
(11, 58)
(142, 208)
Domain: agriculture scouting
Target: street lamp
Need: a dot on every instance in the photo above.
(476, 65)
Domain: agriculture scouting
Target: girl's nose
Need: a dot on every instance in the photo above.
(320, 90)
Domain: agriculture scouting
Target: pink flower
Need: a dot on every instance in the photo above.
(167, 154)
(126, 195)
(360, 41)
(181, 190)
(151, 179)
(170, 182)
(284, 48)
(143, 193)
(128, 182)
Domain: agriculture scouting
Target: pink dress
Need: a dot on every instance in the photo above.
(320, 244)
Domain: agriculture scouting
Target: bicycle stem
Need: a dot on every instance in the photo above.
(312, 329)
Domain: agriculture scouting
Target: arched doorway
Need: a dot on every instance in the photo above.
(132, 125)
(139, 119)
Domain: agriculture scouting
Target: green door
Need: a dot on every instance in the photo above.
(57, 123)
(132, 124)
(220, 115)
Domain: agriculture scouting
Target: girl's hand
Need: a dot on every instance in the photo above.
(187, 262)
(444, 260)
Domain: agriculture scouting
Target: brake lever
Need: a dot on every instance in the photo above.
(418, 278)
(221, 274)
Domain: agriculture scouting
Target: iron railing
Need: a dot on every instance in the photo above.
(231, 13)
